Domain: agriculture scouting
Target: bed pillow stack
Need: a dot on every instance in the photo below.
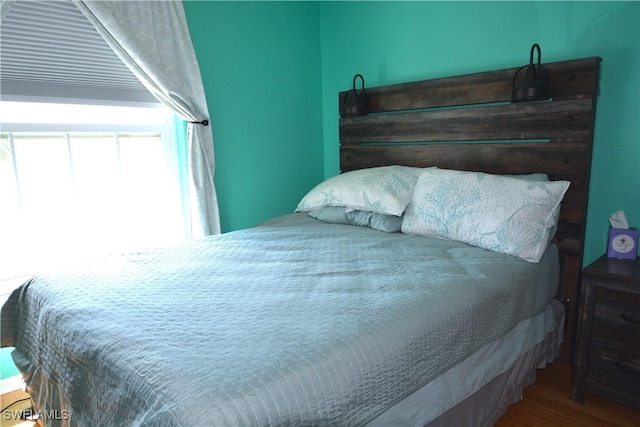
(374, 197)
(516, 215)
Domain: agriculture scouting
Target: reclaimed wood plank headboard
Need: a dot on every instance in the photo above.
(469, 123)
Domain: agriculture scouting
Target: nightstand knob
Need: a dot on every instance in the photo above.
(629, 318)
(627, 368)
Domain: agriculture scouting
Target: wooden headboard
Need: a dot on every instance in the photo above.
(469, 123)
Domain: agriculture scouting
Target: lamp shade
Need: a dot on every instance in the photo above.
(355, 102)
(531, 82)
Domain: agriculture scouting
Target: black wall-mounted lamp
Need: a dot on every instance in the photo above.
(355, 103)
(531, 82)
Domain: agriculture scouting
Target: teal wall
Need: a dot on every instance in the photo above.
(260, 63)
(7, 367)
(272, 71)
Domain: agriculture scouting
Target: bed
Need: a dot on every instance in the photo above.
(348, 311)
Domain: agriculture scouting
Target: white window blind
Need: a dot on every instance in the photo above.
(49, 50)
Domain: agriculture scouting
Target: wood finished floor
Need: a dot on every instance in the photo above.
(545, 404)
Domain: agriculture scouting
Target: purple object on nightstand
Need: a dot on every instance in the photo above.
(623, 243)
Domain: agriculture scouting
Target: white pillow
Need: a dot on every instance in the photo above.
(502, 214)
(385, 190)
(556, 211)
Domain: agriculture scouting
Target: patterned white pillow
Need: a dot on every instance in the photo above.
(502, 214)
(385, 190)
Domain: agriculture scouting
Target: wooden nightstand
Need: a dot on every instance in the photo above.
(607, 357)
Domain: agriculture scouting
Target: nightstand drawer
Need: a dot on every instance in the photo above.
(617, 316)
(614, 371)
(607, 356)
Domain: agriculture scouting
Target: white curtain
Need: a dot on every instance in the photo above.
(152, 39)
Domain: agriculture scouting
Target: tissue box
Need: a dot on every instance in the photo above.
(623, 243)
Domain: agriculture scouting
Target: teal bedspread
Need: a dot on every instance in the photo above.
(294, 322)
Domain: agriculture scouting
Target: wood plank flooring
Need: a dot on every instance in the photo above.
(12, 403)
(546, 403)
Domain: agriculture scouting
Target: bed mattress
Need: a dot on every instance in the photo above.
(295, 322)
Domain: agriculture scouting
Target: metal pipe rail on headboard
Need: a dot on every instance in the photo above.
(469, 123)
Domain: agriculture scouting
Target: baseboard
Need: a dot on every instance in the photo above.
(10, 384)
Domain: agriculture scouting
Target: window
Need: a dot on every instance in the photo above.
(84, 180)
